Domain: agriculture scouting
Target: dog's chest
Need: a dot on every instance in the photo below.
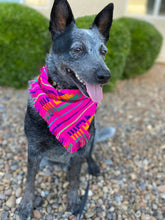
(58, 157)
(57, 153)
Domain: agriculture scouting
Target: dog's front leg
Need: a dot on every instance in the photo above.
(26, 207)
(73, 175)
(93, 167)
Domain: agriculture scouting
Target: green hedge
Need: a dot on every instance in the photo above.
(146, 42)
(118, 48)
(24, 42)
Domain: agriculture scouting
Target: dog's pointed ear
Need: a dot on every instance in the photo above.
(103, 21)
(61, 17)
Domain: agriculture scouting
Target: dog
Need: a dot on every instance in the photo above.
(75, 62)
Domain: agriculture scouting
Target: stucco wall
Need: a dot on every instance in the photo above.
(89, 7)
(160, 25)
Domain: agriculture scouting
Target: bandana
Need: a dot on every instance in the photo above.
(67, 112)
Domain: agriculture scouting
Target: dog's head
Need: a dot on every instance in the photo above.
(76, 59)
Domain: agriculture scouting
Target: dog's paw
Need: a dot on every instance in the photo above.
(94, 169)
(25, 210)
(74, 207)
(74, 202)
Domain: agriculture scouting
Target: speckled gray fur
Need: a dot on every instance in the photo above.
(73, 51)
(85, 39)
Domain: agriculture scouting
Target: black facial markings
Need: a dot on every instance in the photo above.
(63, 43)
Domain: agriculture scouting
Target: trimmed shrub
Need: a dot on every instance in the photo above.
(146, 42)
(24, 42)
(118, 48)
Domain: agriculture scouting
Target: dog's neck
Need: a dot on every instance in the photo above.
(60, 86)
(57, 81)
(53, 83)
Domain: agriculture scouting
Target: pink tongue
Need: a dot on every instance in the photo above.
(95, 92)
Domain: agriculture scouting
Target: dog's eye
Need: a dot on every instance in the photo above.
(103, 52)
(77, 50)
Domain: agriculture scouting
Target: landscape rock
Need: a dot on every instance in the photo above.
(132, 163)
(11, 202)
(37, 214)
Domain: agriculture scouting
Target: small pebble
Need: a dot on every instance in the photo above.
(112, 209)
(90, 193)
(18, 192)
(37, 214)
(4, 215)
(161, 188)
(18, 200)
(49, 217)
(38, 201)
(8, 192)
(11, 202)
(154, 206)
(138, 214)
(89, 214)
(2, 196)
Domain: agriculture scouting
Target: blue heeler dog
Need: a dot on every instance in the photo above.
(75, 61)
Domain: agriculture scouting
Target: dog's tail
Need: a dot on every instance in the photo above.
(104, 134)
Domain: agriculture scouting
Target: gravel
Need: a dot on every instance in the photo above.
(132, 181)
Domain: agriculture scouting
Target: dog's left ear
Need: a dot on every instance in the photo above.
(60, 18)
(103, 21)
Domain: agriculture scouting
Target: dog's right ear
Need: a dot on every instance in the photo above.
(60, 18)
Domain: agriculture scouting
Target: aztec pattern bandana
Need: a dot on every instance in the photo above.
(67, 112)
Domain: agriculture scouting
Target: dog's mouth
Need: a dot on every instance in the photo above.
(94, 91)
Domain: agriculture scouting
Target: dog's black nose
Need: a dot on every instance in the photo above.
(102, 77)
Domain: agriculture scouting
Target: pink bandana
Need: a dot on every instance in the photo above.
(67, 112)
